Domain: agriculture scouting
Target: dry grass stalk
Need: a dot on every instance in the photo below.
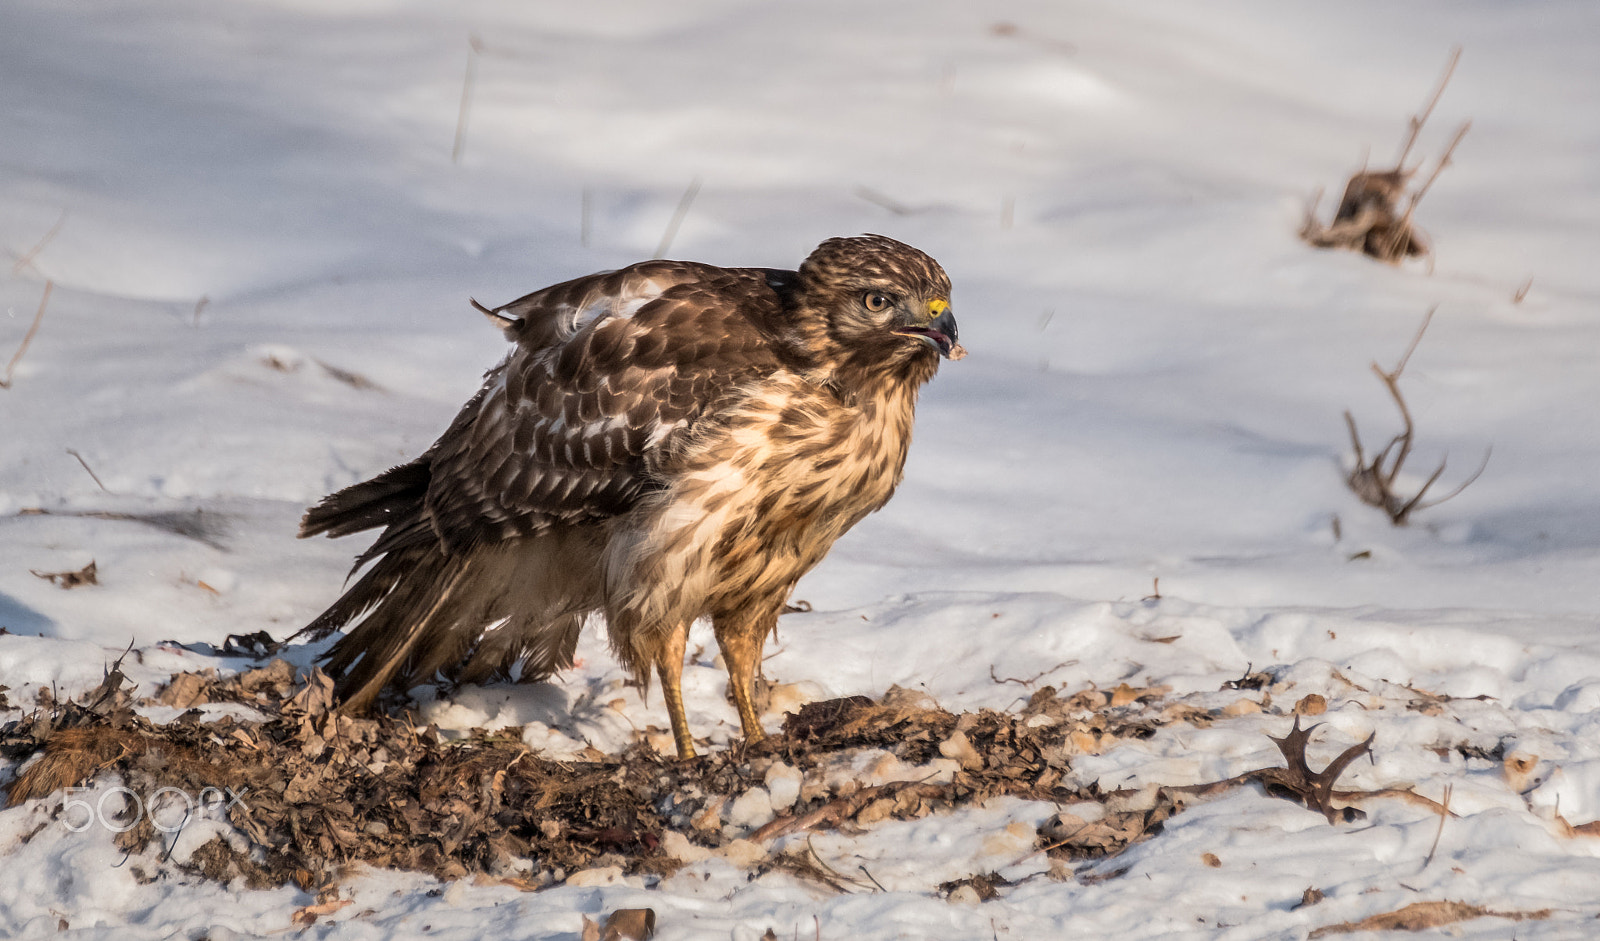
(474, 46)
(1368, 218)
(678, 215)
(28, 337)
(95, 477)
(1421, 916)
(1374, 481)
(25, 260)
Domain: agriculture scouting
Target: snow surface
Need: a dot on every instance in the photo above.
(251, 202)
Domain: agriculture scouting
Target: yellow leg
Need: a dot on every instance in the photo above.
(741, 651)
(669, 667)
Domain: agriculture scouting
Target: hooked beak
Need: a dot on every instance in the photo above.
(940, 333)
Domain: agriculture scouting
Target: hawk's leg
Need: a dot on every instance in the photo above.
(741, 641)
(669, 666)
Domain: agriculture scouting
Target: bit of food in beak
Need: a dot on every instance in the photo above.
(940, 333)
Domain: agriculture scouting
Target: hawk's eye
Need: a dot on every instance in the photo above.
(875, 301)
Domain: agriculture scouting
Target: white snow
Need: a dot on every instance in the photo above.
(261, 253)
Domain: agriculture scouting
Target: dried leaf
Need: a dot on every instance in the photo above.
(1310, 897)
(1420, 916)
(187, 689)
(88, 575)
(309, 915)
(629, 924)
(1313, 704)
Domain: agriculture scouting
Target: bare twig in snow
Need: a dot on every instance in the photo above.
(1421, 117)
(474, 46)
(884, 201)
(1368, 218)
(678, 216)
(1403, 231)
(1444, 814)
(28, 337)
(1030, 680)
(95, 477)
(1374, 481)
(25, 260)
(585, 215)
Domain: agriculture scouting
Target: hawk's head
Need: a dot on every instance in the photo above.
(882, 297)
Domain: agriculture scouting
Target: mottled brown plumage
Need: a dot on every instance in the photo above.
(665, 442)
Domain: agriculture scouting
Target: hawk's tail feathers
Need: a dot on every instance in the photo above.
(377, 502)
(469, 617)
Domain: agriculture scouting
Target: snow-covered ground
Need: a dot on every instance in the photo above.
(261, 249)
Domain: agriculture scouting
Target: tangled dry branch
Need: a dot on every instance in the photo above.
(1368, 218)
(1375, 480)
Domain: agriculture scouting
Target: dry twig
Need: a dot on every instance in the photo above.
(28, 337)
(1368, 219)
(1374, 481)
(25, 260)
(678, 215)
(474, 46)
(95, 477)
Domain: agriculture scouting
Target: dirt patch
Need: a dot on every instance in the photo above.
(311, 792)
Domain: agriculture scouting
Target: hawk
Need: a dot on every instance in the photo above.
(664, 442)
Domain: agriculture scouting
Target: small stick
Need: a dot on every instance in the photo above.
(1522, 292)
(28, 337)
(474, 46)
(86, 467)
(1444, 812)
(885, 202)
(1030, 680)
(26, 259)
(678, 217)
(199, 306)
(1403, 229)
(1421, 118)
(1406, 357)
(585, 214)
(863, 868)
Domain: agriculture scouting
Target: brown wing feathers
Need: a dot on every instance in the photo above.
(570, 430)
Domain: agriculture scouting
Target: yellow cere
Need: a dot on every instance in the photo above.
(937, 306)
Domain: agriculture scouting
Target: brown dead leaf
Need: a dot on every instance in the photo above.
(1243, 706)
(1313, 704)
(1519, 768)
(1249, 681)
(1211, 859)
(309, 915)
(986, 885)
(1311, 788)
(1310, 897)
(315, 698)
(187, 689)
(88, 575)
(629, 924)
(1070, 836)
(959, 748)
(1420, 916)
